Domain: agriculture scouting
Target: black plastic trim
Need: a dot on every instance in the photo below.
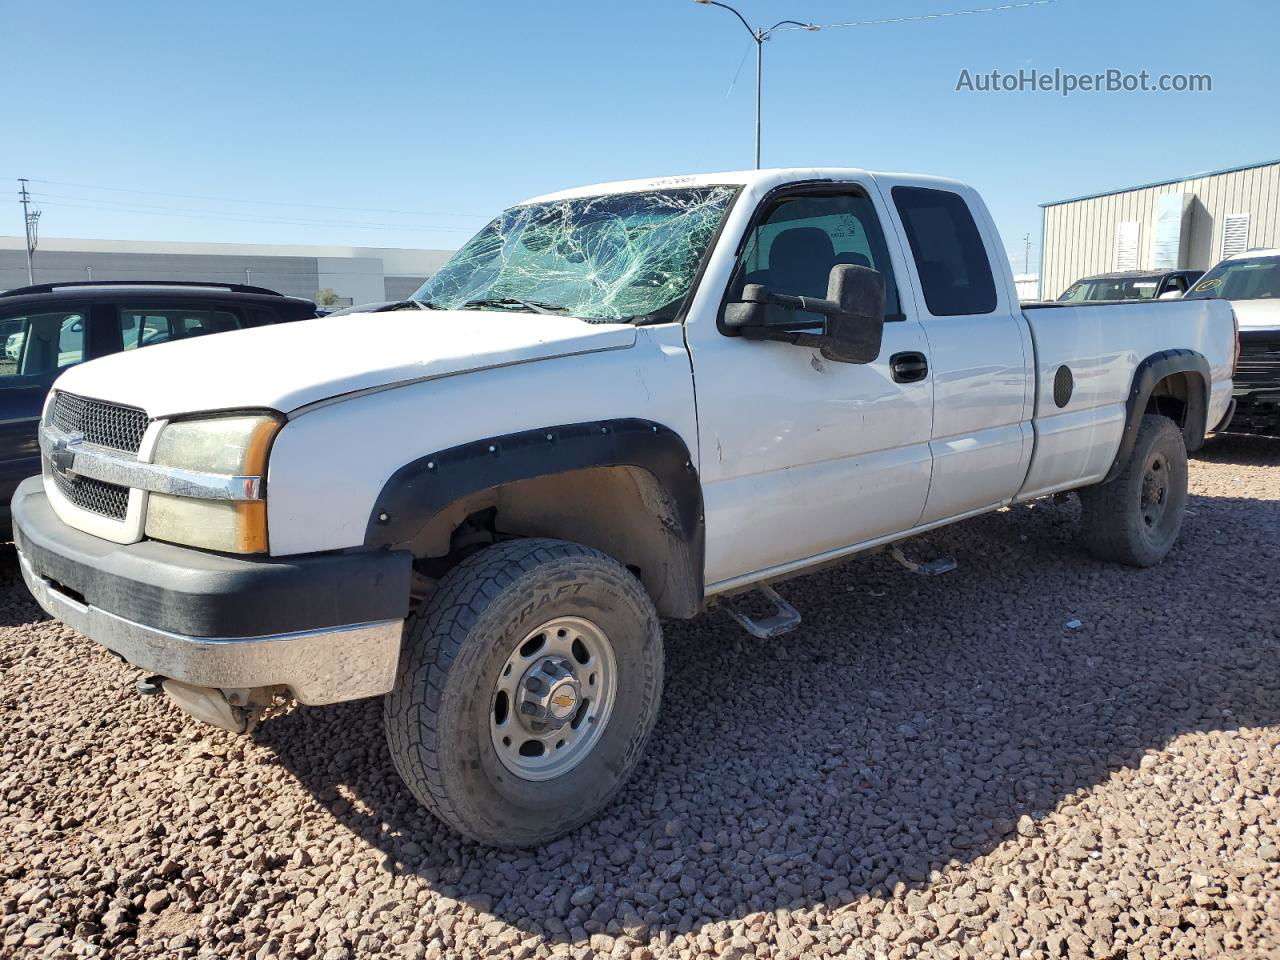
(199, 594)
(1150, 372)
(419, 490)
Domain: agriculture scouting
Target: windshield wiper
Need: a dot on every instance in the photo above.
(532, 305)
(415, 304)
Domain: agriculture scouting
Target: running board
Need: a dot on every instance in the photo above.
(928, 568)
(785, 618)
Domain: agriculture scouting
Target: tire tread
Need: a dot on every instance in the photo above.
(434, 636)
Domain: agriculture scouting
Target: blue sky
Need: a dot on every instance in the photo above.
(408, 123)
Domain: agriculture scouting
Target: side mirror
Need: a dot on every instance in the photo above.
(854, 334)
(1171, 295)
(853, 313)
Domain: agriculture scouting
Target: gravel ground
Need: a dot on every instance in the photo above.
(1035, 756)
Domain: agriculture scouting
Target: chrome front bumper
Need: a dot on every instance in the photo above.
(319, 666)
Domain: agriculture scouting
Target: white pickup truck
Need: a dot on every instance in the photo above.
(614, 404)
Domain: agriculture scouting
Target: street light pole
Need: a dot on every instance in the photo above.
(759, 86)
(759, 35)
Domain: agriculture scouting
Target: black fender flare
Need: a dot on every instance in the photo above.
(1146, 376)
(420, 489)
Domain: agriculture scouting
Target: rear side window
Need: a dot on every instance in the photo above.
(145, 326)
(41, 344)
(955, 273)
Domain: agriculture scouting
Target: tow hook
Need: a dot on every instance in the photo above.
(210, 705)
(150, 686)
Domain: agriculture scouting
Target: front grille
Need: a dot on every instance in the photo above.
(104, 499)
(1259, 366)
(106, 424)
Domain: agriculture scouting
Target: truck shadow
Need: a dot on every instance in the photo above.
(17, 606)
(1240, 449)
(911, 723)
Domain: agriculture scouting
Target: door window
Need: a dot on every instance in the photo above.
(793, 248)
(145, 326)
(40, 345)
(955, 273)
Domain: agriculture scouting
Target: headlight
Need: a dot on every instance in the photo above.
(221, 446)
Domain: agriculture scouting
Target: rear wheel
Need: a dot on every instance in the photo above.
(527, 688)
(1136, 517)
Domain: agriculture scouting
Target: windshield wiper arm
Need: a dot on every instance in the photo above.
(534, 306)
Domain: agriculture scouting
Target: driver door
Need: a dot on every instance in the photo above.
(802, 457)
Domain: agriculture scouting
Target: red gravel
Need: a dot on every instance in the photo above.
(928, 767)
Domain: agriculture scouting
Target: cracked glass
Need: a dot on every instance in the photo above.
(615, 257)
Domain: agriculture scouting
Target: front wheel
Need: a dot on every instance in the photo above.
(527, 687)
(1136, 517)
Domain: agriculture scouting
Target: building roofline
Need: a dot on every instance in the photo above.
(1162, 183)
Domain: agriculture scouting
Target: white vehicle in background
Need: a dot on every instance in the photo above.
(614, 404)
(13, 345)
(1251, 282)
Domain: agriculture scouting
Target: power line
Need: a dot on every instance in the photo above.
(1001, 8)
(106, 206)
(274, 203)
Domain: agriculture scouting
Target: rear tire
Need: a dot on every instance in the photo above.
(1135, 518)
(582, 631)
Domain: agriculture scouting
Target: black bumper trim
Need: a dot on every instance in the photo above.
(200, 594)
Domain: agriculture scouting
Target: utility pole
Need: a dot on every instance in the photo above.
(30, 223)
(1026, 255)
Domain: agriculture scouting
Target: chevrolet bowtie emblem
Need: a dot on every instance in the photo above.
(63, 454)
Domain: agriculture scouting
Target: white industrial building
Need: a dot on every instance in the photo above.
(355, 274)
(1189, 224)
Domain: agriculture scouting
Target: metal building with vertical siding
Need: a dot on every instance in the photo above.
(1189, 223)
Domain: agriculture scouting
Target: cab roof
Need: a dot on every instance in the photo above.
(764, 179)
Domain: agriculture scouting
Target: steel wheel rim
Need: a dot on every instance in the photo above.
(553, 698)
(1155, 491)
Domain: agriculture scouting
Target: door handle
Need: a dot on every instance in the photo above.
(908, 367)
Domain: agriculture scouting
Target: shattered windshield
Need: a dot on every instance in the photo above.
(619, 257)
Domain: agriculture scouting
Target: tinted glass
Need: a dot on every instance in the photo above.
(950, 257)
(1254, 278)
(1111, 288)
(800, 239)
(41, 344)
(145, 326)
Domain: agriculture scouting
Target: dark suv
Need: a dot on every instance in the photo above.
(1130, 285)
(46, 328)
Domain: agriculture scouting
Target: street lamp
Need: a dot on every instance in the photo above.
(759, 35)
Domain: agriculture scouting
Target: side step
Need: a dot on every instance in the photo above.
(784, 619)
(927, 568)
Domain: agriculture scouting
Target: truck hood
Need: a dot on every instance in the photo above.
(294, 364)
(1257, 314)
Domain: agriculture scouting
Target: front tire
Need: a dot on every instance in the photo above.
(549, 646)
(1135, 518)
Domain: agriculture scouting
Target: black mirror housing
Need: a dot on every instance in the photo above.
(852, 315)
(854, 334)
